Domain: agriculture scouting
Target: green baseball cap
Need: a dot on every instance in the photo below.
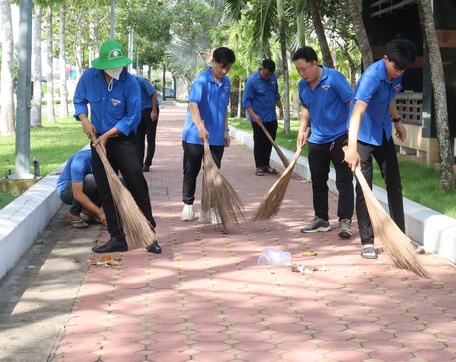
(111, 56)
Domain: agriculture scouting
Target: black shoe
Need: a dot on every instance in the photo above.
(146, 168)
(154, 248)
(112, 245)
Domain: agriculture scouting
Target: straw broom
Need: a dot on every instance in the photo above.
(397, 244)
(138, 230)
(283, 158)
(218, 195)
(272, 201)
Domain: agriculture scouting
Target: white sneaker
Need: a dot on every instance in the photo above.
(187, 213)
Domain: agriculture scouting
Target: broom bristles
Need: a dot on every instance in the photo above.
(282, 157)
(271, 202)
(397, 245)
(218, 195)
(138, 230)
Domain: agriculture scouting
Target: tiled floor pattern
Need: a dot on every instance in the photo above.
(206, 298)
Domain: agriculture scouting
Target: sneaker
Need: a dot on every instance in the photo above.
(317, 225)
(345, 228)
(187, 213)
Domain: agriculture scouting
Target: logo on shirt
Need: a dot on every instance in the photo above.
(115, 102)
(325, 87)
(397, 88)
(226, 89)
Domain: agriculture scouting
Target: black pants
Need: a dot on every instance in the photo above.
(89, 187)
(193, 157)
(122, 153)
(320, 157)
(148, 128)
(262, 147)
(386, 157)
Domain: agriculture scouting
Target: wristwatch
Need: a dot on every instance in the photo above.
(395, 120)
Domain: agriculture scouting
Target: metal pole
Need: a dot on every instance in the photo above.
(24, 90)
(113, 3)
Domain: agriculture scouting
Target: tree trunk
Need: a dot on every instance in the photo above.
(447, 176)
(360, 33)
(62, 64)
(286, 81)
(301, 30)
(37, 74)
(319, 29)
(7, 82)
(164, 82)
(50, 68)
(77, 47)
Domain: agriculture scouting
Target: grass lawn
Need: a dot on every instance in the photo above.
(52, 144)
(420, 183)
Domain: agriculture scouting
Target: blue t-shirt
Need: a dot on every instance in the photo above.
(327, 105)
(375, 89)
(120, 107)
(212, 99)
(77, 168)
(147, 91)
(261, 95)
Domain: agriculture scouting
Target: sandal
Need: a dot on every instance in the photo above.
(79, 224)
(94, 219)
(269, 169)
(259, 171)
(368, 250)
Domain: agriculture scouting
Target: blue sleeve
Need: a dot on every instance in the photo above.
(80, 100)
(148, 87)
(249, 93)
(130, 120)
(344, 90)
(196, 92)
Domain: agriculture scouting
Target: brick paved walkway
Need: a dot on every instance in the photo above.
(206, 298)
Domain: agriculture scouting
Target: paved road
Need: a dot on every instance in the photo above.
(206, 298)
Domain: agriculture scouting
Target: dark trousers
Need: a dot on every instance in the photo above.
(147, 128)
(386, 157)
(89, 187)
(262, 147)
(193, 157)
(320, 156)
(122, 153)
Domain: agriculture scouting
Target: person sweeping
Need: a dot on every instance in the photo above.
(206, 119)
(372, 115)
(115, 104)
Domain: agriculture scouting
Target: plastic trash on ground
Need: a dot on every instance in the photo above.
(271, 256)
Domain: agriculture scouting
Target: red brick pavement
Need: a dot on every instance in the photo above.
(206, 298)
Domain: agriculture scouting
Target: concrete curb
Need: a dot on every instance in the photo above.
(434, 231)
(25, 218)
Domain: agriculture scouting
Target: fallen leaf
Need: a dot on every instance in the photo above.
(104, 261)
(75, 260)
(309, 253)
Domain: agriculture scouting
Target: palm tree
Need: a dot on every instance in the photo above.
(447, 177)
(62, 62)
(360, 31)
(37, 73)
(50, 73)
(7, 83)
